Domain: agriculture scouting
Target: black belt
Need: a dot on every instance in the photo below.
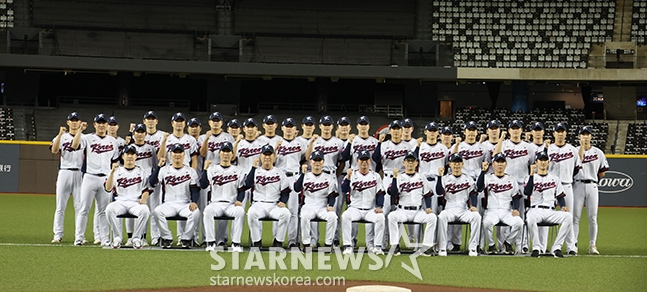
(364, 209)
(587, 181)
(270, 202)
(327, 171)
(72, 169)
(99, 175)
(566, 183)
(409, 207)
(288, 174)
(223, 201)
(543, 207)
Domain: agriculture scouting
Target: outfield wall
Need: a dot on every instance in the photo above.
(30, 167)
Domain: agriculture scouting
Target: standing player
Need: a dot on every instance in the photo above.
(329, 145)
(457, 188)
(154, 138)
(446, 137)
(585, 188)
(233, 128)
(407, 132)
(493, 133)
(308, 128)
(129, 185)
(180, 194)
(227, 196)
(271, 192)
(319, 192)
(270, 137)
(247, 149)
(360, 142)
(178, 121)
(69, 171)
(565, 163)
(194, 128)
(408, 191)
(364, 200)
(432, 156)
(100, 152)
(543, 189)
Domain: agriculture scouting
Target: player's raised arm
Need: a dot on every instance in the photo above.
(109, 185)
(204, 148)
(311, 145)
(499, 146)
(458, 142)
(76, 142)
(162, 151)
(56, 146)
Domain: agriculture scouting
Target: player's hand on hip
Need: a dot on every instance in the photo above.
(281, 205)
(193, 206)
(515, 213)
(379, 210)
(142, 201)
(474, 209)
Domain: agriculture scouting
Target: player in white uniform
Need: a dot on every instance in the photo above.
(543, 189)
(362, 141)
(179, 196)
(129, 185)
(178, 121)
(565, 163)
(493, 129)
(432, 156)
(537, 144)
(328, 144)
(100, 152)
(269, 137)
(308, 128)
(194, 129)
(270, 194)
(319, 192)
(585, 188)
(446, 137)
(225, 182)
(247, 150)
(364, 193)
(408, 190)
(502, 197)
(407, 132)
(69, 177)
(233, 128)
(154, 138)
(457, 188)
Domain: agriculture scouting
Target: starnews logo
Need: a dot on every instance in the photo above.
(326, 258)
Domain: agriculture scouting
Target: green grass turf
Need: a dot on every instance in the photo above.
(28, 220)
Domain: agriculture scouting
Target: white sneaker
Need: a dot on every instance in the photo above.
(378, 250)
(144, 242)
(348, 250)
(116, 243)
(442, 253)
(137, 243)
(56, 240)
(473, 253)
(129, 242)
(593, 250)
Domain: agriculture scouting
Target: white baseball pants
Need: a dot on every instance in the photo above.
(308, 213)
(217, 209)
(353, 214)
(91, 189)
(117, 208)
(68, 182)
(537, 215)
(449, 215)
(170, 209)
(260, 210)
(420, 216)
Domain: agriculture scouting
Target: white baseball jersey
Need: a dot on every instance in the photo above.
(563, 162)
(129, 184)
(214, 144)
(332, 150)
(545, 190)
(247, 151)
(392, 155)
(432, 157)
(99, 153)
(177, 183)
(155, 139)
(519, 157)
(364, 189)
(318, 188)
(190, 147)
(457, 191)
(536, 148)
(499, 191)
(121, 143)
(473, 156)
(269, 140)
(346, 144)
(69, 158)
(289, 155)
(489, 148)
(269, 184)
(412, 189)
(358, 145)
(594, 162)
(413, 142)
(146, 157)
(225, 182)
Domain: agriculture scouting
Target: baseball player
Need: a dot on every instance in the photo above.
(154, 138)
(69, 171)
(537, 144)
(233, 128)
(113, 128)
(194, 128)
(501, 192)
(319, 192)
(129, 185)
(180, 194)
(446, 137)
(227, 196)
(432, 155)
(565, 163)
(328, 144)
(407, 132)
(101, 151)
(365, 199)
(178, 121)
(289, 153)
(247, 149)
(457, 188)
(362, 141)
(407, 191)
(308, 128)
(585, 188)
(493, 129)
(543, 189)
(271, 193)
(270, 137)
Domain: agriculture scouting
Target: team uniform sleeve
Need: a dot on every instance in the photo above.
(332, 191)
(193, 186)
(144, 185)
(604, 163)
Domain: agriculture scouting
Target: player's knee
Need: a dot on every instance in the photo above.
(488, 223)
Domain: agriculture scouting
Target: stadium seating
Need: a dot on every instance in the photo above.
(7, 130)
(639, 22)
(636, 142)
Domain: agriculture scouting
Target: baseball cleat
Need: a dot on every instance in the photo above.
(57, 240)
(572, 253)
(593, 250)
(144, 242)
(524, 250)
(535, 253)
(116, 243)
(558, 253)
(378, 250)
(492, 250)
(96, 242)
(473, 253)
(166, 243)
(78, 242)
(137, 243)
(396, 251)
(129, 242)
(508, 248)
(456, 247)
(185, 243)
(428, 253)
(442, 253)
(236, 247)
(348, 249)
(210, 247)
(155, 241)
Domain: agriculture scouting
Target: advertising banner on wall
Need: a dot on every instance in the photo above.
(9, 168)
(625, 184)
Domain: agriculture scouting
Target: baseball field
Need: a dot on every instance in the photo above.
(30, 263)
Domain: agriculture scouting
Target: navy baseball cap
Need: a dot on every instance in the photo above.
(177, 147)
(537, 125)
(395, 124)
(470, 124)
(226, 146)
(499, 156)
(269, 119)
(407, 122)
(215, 115)
(308, 120)
(139, 127)
(560, 126)
(364, 154)
(493, 124)
(267, 148)
(129, 148)
(432, 126)
(447, 130)
(178, 116)
(586, 129)
(515, 123)
(326, 120)
(541, 155)
(194, 121)
(289, 122)
(411, 154)
(234, 122)
(149, 114)
(317, 155)
(100, 118)
(363, 119)
(343, 120)
(73, 115)
(249, 121)
(112, 120)
(455, 158)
